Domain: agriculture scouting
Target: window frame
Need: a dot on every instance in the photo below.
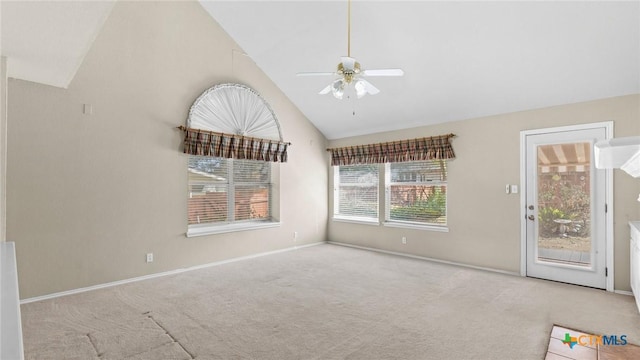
(238, 225)
(336, 199)
(384, 208)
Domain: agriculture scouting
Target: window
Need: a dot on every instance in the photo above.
(356, 192)
(415, 182)
(416, 192)
(228, 191)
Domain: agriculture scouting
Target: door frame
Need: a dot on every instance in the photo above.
(609, 263)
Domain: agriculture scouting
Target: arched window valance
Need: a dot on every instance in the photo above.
(234, 121)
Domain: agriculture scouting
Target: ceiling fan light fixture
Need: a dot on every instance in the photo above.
(337, 88)
(361, 89)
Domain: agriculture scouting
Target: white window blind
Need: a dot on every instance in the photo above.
(228, 190)
(417, 192)
(356, 191)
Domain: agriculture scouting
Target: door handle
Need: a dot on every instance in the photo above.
(531, 217)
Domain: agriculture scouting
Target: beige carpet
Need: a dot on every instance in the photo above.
(322, 302)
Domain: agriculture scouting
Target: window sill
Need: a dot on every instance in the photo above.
(356, 220)
(406, 225)
(203, 230)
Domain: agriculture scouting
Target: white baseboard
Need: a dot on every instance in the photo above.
(623, 292)
(11, 346)
(166, 273)
(222, 262)
(427, 259)
(515, 273)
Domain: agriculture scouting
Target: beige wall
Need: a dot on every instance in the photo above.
(3, 147)
(89, 195)
(484, 222)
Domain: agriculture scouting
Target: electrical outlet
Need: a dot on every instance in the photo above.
(514, 189)
(507, 189)
(404, 240)
(149, 257)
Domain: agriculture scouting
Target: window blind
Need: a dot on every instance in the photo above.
(357, 191)
(228, 190)
(417, 192)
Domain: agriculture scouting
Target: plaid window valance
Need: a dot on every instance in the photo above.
(208, 143)
(429, 148)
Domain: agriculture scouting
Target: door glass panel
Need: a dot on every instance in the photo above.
(564, 203)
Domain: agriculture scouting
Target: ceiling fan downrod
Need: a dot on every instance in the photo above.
(349, 28)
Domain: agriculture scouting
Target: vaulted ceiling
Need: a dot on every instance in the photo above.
(462, 60)
(46, 41)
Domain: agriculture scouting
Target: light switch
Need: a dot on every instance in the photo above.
(507, 189)
(514, 189)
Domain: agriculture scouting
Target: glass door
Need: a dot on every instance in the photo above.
(565, 208)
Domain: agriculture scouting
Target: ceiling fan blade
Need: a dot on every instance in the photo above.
(315, 73)
(369, 87)
(325, 90)
(383, 72)
(348, 62)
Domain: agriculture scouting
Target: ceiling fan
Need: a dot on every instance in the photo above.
(349, 71)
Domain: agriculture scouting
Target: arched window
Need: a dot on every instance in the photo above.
(233, 140)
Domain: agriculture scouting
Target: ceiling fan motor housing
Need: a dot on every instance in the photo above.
(348, 74)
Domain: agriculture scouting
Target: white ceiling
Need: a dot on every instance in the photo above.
(461, 60)
(46, 41)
